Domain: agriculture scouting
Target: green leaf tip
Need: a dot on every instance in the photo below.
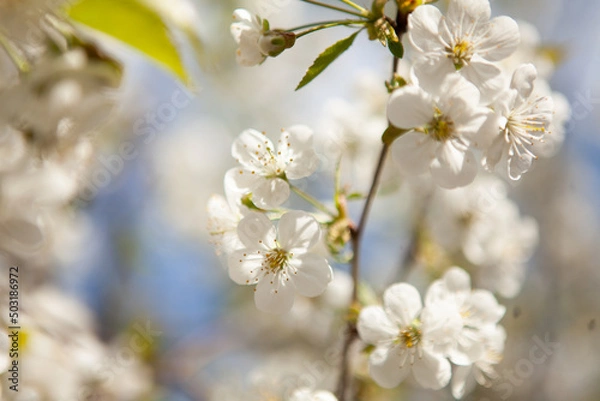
(326, 58)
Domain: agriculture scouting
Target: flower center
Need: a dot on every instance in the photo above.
(460, 53)
(410, 336)
(441, 128)
(276, 260)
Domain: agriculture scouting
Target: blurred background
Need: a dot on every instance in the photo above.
(134, 269)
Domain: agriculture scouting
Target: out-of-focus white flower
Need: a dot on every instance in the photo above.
(441, 125)
(352, 130)
(409, 338)
(485, 225)
(279, 261)
(482, 370)
(306, 394)
(64, 358)
(477, 308)
(521, 120)
(530, 50)
(465, 40)
(265, 169)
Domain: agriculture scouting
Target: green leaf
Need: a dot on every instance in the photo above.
(326, 58)
(135, 24)
(396, 48)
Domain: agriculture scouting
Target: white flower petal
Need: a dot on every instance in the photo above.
(486, 76)
(423, 28)
(494, 152)
(296, 152)
(467, 12)
(310, 274)
(413, 152)
(453, 167)
(257, 232)
(432, 70)
(374, 326)
(484, 308)
(431, 370)
(410, 107)
(402, 303)
(519, 165)
(387, 367)
(459, 380)
(298, 230)
(274, 295)
(457, 281)
(270, 193)
(239, 182)
(250, 149)
(501, 39)
(523, 80)
(245, 266)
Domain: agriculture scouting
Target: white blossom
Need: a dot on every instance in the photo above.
(483, 224)
(478, 309)
(441, 125)
(466, 39)
(482, 370)
(265, 169)
(520, 121)
(408, 338)
(247, 30)
(279, 261)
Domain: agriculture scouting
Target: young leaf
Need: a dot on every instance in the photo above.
(326, 58)
(396, 48)
(135, 24)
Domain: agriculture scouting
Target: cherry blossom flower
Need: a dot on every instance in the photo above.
(519, 122)
(265, 170)
(408, 338)
(482, 223)
(465, 40)
(482, 370)
(256, 42)
(477, 308)
(306, 394)
(247, 29)
(279, 261)
(441, 124)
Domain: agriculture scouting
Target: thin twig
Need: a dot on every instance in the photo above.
(357, 234)
(343, 10)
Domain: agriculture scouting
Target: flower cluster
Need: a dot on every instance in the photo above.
(464, 107)
(455, 325)
(55, 96)
(281, 261)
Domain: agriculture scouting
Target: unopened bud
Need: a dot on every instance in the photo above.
(273, 43)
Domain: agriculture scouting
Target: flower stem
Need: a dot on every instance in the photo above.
(310, 199)
(352, 4)
(318, 3)
(327, 25)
